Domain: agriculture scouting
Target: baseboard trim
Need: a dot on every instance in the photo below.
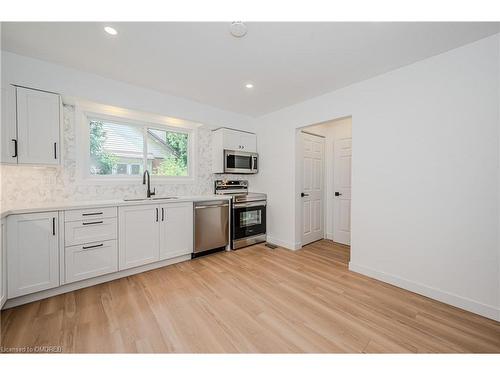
(464, 303)
(91, 282)
(3, 299)
(287, 245)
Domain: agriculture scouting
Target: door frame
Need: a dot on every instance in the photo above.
(298, 184)
(298, 181)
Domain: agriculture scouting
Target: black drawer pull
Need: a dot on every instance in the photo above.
(92, 246)
(92, 213)
(94, 222)
(55, 150)
(53, 226)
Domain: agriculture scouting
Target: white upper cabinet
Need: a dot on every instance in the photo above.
(38, 124)
(231, 139)
(248, 142)
(139, 235)
(176, 230)
(30, 126)
(32, 253)
(9, 132)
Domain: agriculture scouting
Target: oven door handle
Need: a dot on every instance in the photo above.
(250, 204)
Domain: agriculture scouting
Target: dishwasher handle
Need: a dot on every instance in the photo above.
(211, 206)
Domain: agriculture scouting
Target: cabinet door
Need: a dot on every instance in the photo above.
(176, 230)
(38, 118)
(139, 235)
(8, 135)
(3, 265)
(248, 142)
(32, 253)
(231, 139)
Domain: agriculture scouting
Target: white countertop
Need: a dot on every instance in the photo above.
(62, 206)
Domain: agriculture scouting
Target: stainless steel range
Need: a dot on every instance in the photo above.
(248, 213)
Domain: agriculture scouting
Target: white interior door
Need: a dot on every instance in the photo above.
(313, 150)
(342, 190)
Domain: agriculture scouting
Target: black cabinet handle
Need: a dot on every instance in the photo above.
(162, 214)
(157, 214)
(93, 222)
(304, 195)
(55, 150)
(15, 148)
(91, 247)
(92, 213)
(53, 226)
(337, 194)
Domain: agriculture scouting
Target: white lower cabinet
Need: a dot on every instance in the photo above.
(139, 235)
(90, 260)
(32, 253)
(176, 230)
(92, 244)
(3, 264)
(148, 233)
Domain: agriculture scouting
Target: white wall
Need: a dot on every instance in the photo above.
(425, 212)
(69, 82)
(23, 186)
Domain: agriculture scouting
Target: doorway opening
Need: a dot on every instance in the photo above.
(324, 168)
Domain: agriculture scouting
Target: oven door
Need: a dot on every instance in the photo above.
(249, 219)
(240, 162)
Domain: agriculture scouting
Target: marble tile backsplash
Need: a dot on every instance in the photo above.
(24, 186)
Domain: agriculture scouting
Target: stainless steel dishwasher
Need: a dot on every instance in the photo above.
(211, 226)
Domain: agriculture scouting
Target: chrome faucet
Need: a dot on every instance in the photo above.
(149, 192)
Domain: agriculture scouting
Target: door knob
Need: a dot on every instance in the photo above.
(337, 194)
(304, 195)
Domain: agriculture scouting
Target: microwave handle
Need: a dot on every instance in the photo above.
(254, 159)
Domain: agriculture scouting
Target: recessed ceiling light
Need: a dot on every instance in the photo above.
(110, 30)
(249, 85)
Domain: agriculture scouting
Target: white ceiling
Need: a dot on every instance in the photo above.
(287, 62)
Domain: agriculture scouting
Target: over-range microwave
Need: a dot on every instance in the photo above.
(240, 162)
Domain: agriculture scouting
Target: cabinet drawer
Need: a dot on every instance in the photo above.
(91, 260)
(90, 213)
(92, 230)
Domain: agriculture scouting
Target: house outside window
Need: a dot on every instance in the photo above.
(122, 149)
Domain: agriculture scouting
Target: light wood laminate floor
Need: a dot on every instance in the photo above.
(252, 300)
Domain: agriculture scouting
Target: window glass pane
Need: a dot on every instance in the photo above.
(135, 169)
(167, 153)
(115, 149)
(121, 168)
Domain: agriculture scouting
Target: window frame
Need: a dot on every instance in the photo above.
(144, 121)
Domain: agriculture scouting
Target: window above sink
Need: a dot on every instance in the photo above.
(118, 149)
